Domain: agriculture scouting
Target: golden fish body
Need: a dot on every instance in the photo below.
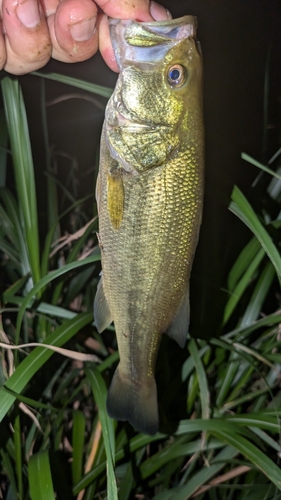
(149, 194)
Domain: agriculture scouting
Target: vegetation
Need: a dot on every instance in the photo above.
(56, 439)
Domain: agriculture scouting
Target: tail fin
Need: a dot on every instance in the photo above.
(137, 404)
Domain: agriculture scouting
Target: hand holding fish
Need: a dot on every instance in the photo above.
(67, 30)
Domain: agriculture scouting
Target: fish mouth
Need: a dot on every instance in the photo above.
(130, 122)
(133, 126)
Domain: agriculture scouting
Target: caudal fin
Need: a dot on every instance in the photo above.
(135, 403)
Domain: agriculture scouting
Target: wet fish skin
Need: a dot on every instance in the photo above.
(149, 192)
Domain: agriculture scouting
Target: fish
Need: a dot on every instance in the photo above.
(150, 196)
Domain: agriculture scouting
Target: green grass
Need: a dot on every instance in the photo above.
(55, 430)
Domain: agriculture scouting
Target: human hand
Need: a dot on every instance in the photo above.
(67, 30)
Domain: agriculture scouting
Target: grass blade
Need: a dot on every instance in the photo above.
(204, 475)
(40, 478)
(23, 168)
(202, 379)
(242, 285)
(256, 163)
(3, 149)
(75, 82)
(100, 393)
(10, 471)
(241, 207)
(30, 365)
(78, 439)
(220, 429)
(10, 218)
(268, 321)
(18, 454)
(259, 294)
(243, 261)
(47, 279)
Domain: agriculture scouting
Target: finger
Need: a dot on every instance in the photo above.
(72, 28)
(140, 10)
(27, 38)
(49, 6)
(3, 54)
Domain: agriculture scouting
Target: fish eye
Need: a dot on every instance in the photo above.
(176, 75)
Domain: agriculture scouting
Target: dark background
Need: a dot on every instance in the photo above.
(236, 37)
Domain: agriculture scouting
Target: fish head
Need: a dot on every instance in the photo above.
(147, 116)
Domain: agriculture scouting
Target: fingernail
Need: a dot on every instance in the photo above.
(83, 31)
(28, 13)
(159, 13)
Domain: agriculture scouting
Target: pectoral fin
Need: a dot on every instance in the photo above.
(115, 199)
(178, 329)
(102, 313)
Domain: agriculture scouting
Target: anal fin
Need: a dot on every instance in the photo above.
(102, 313)
(178, 329)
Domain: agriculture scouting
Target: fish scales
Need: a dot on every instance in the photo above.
(149, 195)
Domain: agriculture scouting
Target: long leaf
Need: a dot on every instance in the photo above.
(75, 82)
(40, 478)
(23, 168)
(221, 429)
(30, 365)
(15, 232)
(3, 149)
(78, 440)
(244, 259)
(201, 477)
(242, 285)
(260, 292)
(256, 163)
(47, 279)
(134, 444)
(202, 379)
(241, 207)
(99, 391)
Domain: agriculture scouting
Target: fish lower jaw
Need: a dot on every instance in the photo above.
(135, 128)
(132, 126)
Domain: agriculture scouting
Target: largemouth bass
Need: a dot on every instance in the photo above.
(149, 194)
